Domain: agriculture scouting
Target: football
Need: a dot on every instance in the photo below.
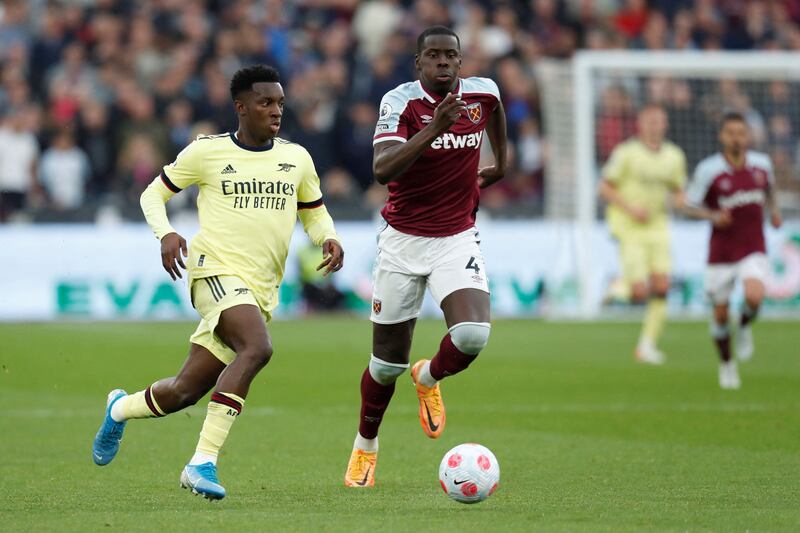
(469, 473)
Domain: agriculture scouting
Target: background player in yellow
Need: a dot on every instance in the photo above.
(641, 175)
(253, 186)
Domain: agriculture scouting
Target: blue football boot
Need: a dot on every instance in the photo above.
(202, 479)
(106, 442)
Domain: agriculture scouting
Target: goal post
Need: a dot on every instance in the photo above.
(580, 99)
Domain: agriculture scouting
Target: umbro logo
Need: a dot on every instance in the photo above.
(228, 170)
(285, 167)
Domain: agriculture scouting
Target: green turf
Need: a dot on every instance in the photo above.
(587, 439)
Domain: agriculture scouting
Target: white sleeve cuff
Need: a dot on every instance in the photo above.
(389, 138)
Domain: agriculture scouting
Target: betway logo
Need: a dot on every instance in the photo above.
(740, 198)
(451, 140)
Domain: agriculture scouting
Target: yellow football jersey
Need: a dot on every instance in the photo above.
(644, 177)
(247, 208)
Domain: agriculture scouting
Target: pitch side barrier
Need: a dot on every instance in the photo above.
(87, 272)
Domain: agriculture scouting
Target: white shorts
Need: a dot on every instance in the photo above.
(406, 264)
(721, 278)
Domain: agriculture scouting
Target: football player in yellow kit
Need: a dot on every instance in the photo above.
(641, 175)
(253, 186)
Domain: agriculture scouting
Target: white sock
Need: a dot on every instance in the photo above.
(368, 445)
(201, 458)
(425, 375)
(116, 411)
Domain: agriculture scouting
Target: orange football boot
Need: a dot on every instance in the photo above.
(361, 469)
(431, 406)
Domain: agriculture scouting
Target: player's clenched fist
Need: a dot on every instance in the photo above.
(775, 219)
(448, 111)
(172, 246)
(722, 218)
(489, 175)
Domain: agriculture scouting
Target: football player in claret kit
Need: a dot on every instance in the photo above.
(730, 189)
(426, 149)
(253, 186)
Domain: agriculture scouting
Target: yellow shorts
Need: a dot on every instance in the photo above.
(211, 296)
(644, 254)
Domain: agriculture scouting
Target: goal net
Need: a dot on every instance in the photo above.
(590, 105)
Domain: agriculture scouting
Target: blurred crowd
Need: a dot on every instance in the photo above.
(96, 95)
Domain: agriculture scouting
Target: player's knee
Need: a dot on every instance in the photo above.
(753, 307)
(659, 292)
(753, 301)
(258, 355)
(470, 337)
(719, 330)
(385, 372)
(659, 286)
(721, 315)
(638, 293)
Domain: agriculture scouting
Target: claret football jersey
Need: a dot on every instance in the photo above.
(718, 185)
(438, 194)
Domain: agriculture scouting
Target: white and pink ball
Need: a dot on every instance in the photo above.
(469, 473)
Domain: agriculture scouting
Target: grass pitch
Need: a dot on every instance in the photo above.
(587, 440)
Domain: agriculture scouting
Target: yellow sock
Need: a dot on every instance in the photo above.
(223, 409)
(140, 404)
(654, 318)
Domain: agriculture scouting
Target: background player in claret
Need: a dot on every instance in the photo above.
(639, 177)
(729, 189)
(253, 185)
(426, 149)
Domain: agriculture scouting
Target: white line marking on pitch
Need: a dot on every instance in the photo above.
(483, 408)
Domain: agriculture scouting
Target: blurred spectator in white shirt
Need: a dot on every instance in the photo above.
(373, 23)
(19, 151)
(64, 171)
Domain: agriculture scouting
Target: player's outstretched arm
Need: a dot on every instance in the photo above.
(392, 158)
(496, 130)
(153, 202)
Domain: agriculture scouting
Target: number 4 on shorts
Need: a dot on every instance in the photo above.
(473, 265)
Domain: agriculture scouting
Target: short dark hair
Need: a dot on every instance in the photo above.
(244, 78)
(732, 116)
(435, 30)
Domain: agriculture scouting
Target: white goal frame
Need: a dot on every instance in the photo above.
(764, 65)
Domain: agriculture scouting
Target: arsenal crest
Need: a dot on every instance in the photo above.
(760, 177)
(474, 112)
(376, 306)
